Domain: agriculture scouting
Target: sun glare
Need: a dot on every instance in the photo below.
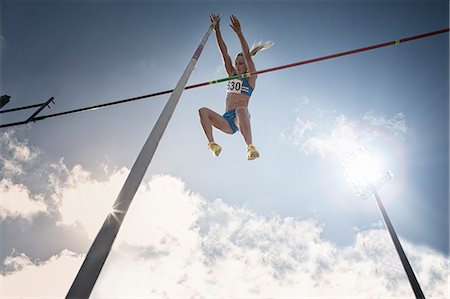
(114, 212)
(363, 172)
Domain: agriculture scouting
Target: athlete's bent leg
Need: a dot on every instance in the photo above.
(208, 119)
(243, 121)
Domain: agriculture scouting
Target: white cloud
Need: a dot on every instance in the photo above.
(50, 279)
(16, 201)
(330, 134)
(14, 153)
(396, 125)
(20, 149)
(304, 101)
(162, 213)
(302, 127)
(175, 243)
(82, 199)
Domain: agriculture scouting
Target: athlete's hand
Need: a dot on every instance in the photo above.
(235, 24)
(215, 18)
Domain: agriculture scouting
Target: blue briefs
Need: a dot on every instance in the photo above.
(230, 116)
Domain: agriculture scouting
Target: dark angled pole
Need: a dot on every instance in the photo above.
(401, 253)
(363, 173)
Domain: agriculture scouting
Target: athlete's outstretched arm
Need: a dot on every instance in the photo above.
(223, 48)
(245, 50)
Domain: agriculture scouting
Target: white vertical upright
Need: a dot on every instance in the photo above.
(87, 276)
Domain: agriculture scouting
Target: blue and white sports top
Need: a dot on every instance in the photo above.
(239, 86)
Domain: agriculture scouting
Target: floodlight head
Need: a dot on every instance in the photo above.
(4, 99)
(363, 173)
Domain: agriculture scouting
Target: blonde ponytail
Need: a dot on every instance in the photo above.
(259, 46)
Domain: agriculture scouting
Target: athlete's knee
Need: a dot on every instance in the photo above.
(203, 112)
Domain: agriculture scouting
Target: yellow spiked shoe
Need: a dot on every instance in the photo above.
(215, 148)
(252, 153)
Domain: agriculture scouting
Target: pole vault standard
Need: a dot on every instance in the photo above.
(96, 257)
(390, 43)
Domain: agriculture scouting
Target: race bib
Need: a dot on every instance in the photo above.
(234, 86)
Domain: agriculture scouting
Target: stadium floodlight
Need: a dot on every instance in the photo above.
(363, 173)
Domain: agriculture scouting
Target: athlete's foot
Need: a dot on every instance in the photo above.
(252, 153)
(215, 148)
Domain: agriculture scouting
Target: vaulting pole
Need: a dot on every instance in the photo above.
(96, 257)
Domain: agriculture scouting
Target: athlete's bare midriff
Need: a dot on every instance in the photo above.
(235, 100)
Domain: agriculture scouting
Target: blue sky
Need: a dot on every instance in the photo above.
(394, 99)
